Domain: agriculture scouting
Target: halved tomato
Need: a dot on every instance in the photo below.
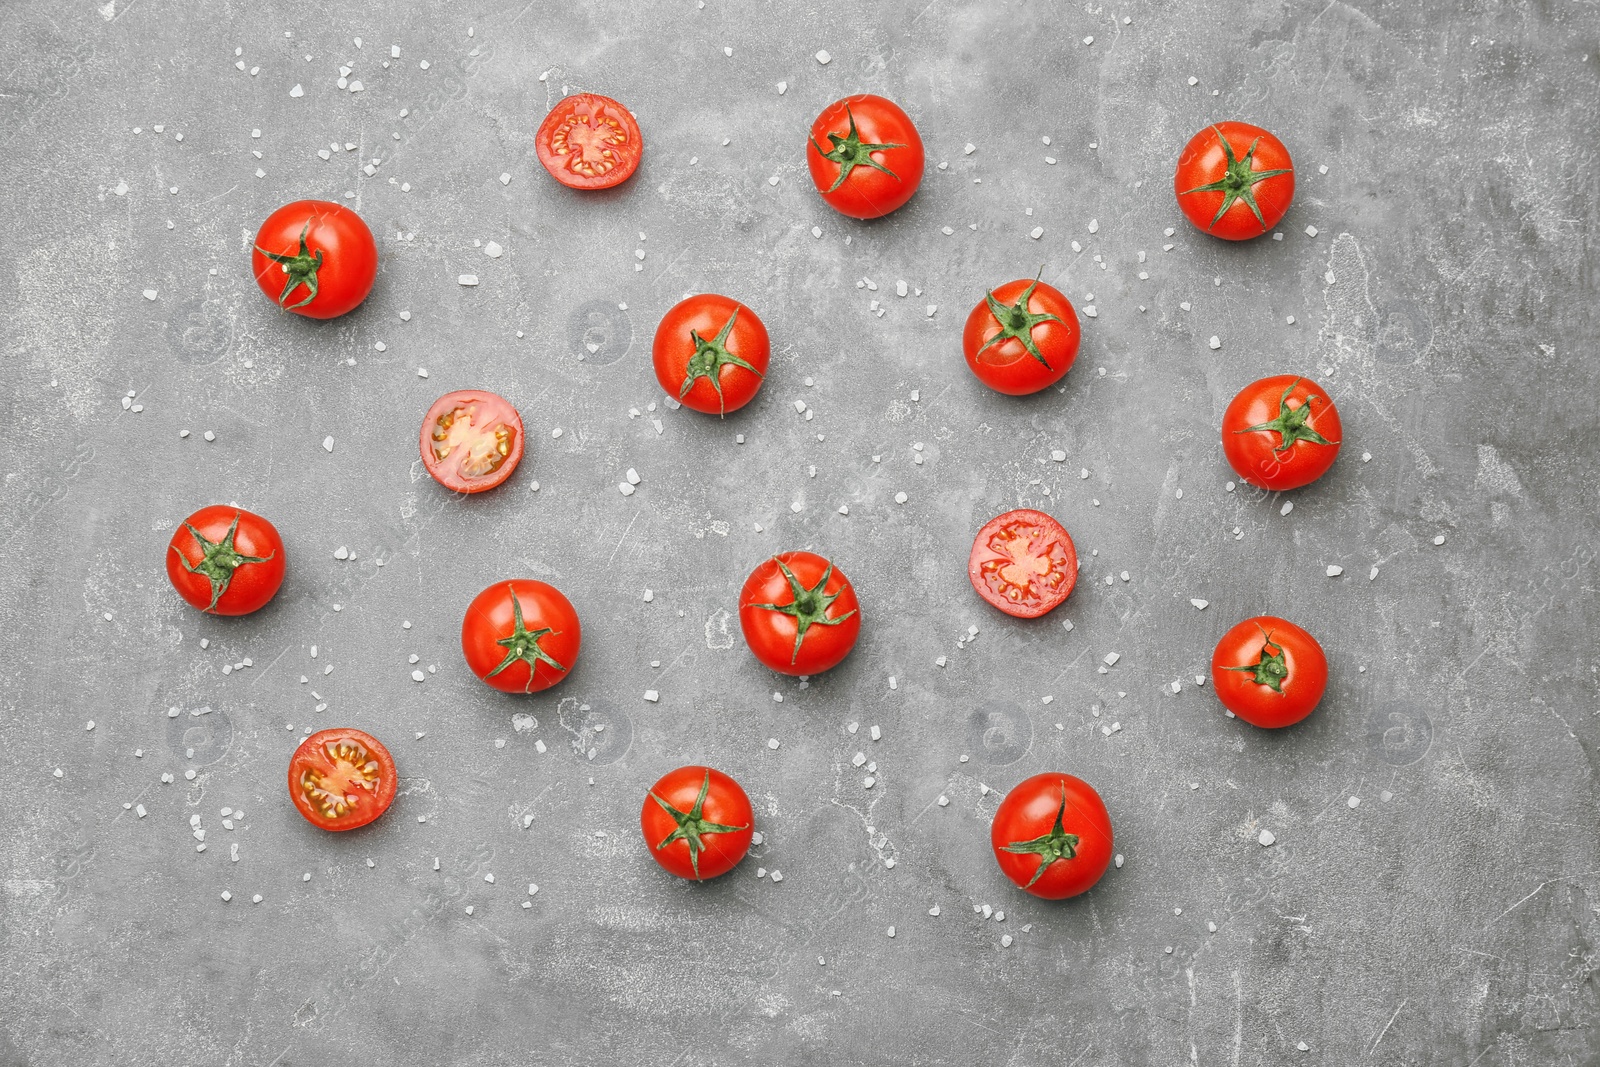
(588, 141)
(1023, 562)
(341, 779)
(471, 440)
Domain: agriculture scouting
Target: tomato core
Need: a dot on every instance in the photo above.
(589, 138)
(484, 448)
(336, 790)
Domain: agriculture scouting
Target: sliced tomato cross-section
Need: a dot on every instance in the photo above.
(588, 141)
(1023, 563)
(471, 440)
(341, 779)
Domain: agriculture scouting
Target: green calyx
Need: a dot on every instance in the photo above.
(1055, 845)
(850, 152)
(1017, 323)
(692, 824)
(218, 560)
(1290, 425)
(1270, 669)
(301, 269)
(708, 360)
(1238, 181)
(809, 607)
(523, 644)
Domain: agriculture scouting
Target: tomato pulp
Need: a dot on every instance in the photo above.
(472, 440)
(341, 779)
(1023, 562)
(589, 141)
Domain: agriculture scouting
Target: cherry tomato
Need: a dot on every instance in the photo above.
(865, 156)
(341, 779)
(1052, 836)
(225, 560)
(471, 440)
(1234, 180)
(1023, 562)
(588, 141)
(1269, 672)
(315, 258)
(697, 822)
(799, 614)
(1021, 338)
(1281, 432)
(520, 636)
(711, 353)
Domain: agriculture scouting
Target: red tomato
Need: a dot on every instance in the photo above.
(1281, 432)
(341, 779)
(711, 353)
(520, 636)
(588, 141)
(1269, 672)
(1023, 562)
(471, 440)
(799, 615)
(1052, 836)
(1234, 180)
(226, 561)
(315, 258)
(865, 156)
(697, 822)
(1022, 338)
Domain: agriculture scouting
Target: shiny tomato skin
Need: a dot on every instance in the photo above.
(348, 267)
(1023, 562)
(1008, 367)
(589, 141)
(706, 315)
(332, 766)
(1253, 453)
(255, 576)
(771, 633)
(725, 805)
(1303, 679)
(1028, 814)
(550, 632)
(1204, 160)
(488, 444)
(866, 192)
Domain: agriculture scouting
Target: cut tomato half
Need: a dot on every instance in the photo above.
(341, 779)
(588, 141)
(1023, 562)
(471, 440)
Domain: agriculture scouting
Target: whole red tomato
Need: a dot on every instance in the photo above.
(1281, 432)
(799, 614)
(1023, 562)
(225, 560)
(315, 258)
(1269, 672)
(1022, 338)
(341, 779)
(588, 141)
(865, 156)
(471, 440)
(697, 822)
(1234, 180)
(520, 636)
(711, 353)
(1052, 836)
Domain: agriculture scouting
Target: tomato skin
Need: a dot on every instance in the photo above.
(1008, 367)
(1029, 812)
(349, 262)
(771, 634)
(589, 141)
(725, 804)
(1304, 679)
(707, 314)
(1004, 565)
(253, 582)
(491, 619)
(376, 787)
(487, 414)
(1204, 161)
(866, 192)
(1253, 453)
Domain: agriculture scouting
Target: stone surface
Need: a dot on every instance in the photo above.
(1447, 300)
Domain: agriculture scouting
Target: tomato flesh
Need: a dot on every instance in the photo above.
(1024, 563)
(471, 440)
(341, 779)
(588, 141)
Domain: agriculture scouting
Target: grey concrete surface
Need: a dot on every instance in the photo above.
(1447, 300)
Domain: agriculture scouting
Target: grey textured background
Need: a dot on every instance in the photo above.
(1447, 301)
